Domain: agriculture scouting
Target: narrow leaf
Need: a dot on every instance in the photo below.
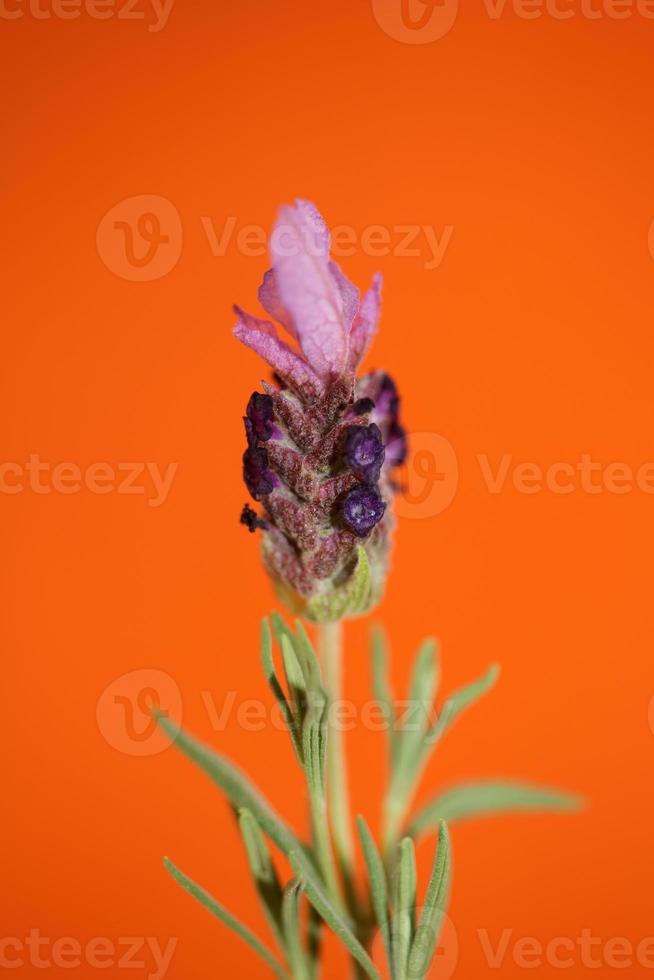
(483, 799)
(209, 903)
(417, 719)
(313, 751)
(307, 656)
(406, 776)
(458, 702)
(314, 746)
(236, 786)
(405, 908)
(295, 679)
(381, 686)
(334, 919)
(280, 628)
(431, 921)
(277, 689)
(378, 886)
(292, 929)
(263, 871)
(304, 652)
(314, 941)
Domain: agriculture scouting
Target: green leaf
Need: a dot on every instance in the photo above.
(405, 907)
(417, 720)
(314, 747)
(378, 886)
(334, 919)
(263, 871)
(431, 921)
(295, 679)
(458, 702)
(351, 598)
(277, 689)
(292, 930)
(236, 786)
(411, 750)
(406, 775)
(483, 799)
(301, 668)
(381, 686)
(283, 632)
(307, 656)
(209, 903)
(314, 941)
(280, 628)
(314, 751)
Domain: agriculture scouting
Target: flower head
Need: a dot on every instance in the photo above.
(320, 443)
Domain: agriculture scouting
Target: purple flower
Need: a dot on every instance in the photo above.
(259, 415)
(313, 301)
(363, 406)
(396, 445)
(258, 478)
(379, 389)
(363, 451)
(387, 402)
(321, 443)
(362, 509)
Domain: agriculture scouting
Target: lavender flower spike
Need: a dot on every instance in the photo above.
(320, 443)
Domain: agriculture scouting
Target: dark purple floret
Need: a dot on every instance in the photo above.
(252, 520)
(363, 451)
(396, 445)
(363, 406)
(388, 401)
(363, 508)
(257, 476)
(260, 416)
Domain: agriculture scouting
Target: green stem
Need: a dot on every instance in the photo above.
(331, 651)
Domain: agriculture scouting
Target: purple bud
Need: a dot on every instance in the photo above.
(396, 445)
(363, 508)
(387, 402)
(363, 451)
(257, 476)
(363, 406)
(259, 414)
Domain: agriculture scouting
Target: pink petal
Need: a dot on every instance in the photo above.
(261, 336)
(272, 304)
(349, 293)
(307, 288)
(365, 325)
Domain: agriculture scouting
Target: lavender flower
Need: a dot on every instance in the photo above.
(363, 508)
(363, 451)
(320, 442)
(259, 418)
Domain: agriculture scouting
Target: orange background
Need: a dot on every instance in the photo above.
(533, 139)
